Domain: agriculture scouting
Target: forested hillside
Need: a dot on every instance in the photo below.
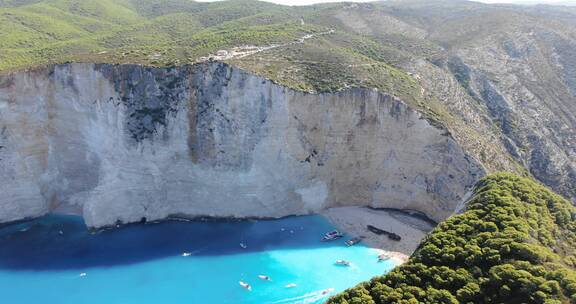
(515, 243)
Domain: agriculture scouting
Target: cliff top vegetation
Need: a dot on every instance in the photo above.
(515, 243)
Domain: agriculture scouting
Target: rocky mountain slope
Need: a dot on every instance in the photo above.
(497, 82)
(499, 77)
(519, 65)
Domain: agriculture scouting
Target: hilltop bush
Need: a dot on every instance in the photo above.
(515, 243)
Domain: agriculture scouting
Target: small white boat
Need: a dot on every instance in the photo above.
(185, 254)
(264, 277)
(332, 235)
(83, 274)
(353, 241)
(327, 291)
(243, 246)
(291, 285)
(342, 263)
(245, 285)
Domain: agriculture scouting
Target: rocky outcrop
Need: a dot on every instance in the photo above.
(526, 81)
(509, 73)
(118, 143)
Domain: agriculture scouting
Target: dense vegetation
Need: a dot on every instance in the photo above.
(515, 243)
(175, 32)
(158, 32)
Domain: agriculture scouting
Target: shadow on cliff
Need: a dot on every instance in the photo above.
(63, 242)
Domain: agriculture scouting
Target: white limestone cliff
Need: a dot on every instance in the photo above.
(118, 143)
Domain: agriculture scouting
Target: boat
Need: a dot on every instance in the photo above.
(264, 277)
(327, 291)
(383, 257)
(353, 241)
(245, 285)
(291, 285)
(83, 274)
(332, 235)
(186, 254)
(342, 263)
(375, 230)
(243, 246)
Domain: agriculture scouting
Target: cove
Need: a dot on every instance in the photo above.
(55, 259)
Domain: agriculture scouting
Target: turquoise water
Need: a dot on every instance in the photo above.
(56, 260)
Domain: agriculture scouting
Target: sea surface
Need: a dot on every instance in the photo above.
(56, 260)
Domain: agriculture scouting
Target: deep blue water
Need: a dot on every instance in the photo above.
(55, 260)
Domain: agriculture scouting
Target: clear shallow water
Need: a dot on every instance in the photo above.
(42, 261)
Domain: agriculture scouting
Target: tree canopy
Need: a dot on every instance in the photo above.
(515, 243)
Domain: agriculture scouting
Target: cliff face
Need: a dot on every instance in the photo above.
(124, 142)
(514, 70)
(527, 83)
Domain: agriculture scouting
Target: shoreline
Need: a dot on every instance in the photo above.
(398, 257)
(353, 221)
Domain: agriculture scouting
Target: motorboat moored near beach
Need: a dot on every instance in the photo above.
(245, 285)
(291, 285)
(342, 263)
(353, 241)
(332, 235)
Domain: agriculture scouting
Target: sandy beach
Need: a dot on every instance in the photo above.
(353, 221)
